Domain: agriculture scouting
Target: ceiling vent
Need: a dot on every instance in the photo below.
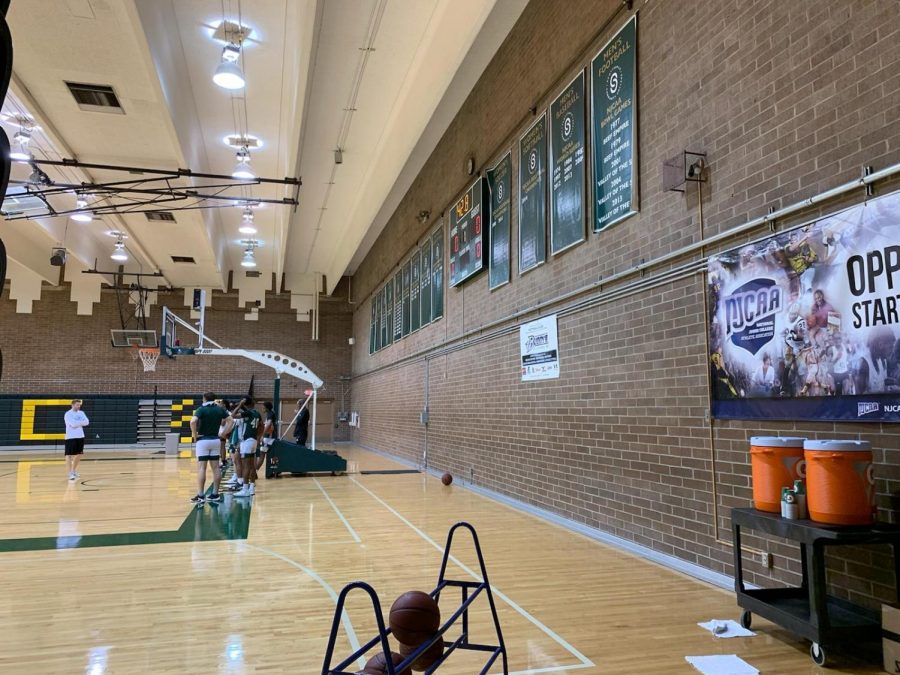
(183, 259)
(160, 216)
(253, 274)
(237, 141)
(231, 32)
(95, 97)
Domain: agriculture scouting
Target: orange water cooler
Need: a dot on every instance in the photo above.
(840, 483)
(776, 462)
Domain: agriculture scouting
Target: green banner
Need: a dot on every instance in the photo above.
(500, 184)
(567, 183)
(397, 315)
(437, 274)
(533, 196)
(388, 313)
(405, 272)
(415, 319)
(614, 119)
(379, 318)
(373, 325)
(425, 286)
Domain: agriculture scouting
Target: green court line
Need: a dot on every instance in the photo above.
(213, 522)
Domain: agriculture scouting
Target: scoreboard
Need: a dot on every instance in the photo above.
(468, 238)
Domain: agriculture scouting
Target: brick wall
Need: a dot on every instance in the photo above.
(52, 350)
(788, 100)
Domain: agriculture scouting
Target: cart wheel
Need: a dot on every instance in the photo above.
(817, 654)
(746, 619)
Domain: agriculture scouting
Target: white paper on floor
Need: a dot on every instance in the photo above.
(721, 664)
(731, 628)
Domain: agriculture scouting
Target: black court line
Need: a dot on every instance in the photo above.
(388, 472)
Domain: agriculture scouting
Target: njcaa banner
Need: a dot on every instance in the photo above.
(806, 324)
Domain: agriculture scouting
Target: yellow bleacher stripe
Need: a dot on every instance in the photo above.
(187, 401)
(175, 424)
(185, 439)
(26, 428)
(177, 406)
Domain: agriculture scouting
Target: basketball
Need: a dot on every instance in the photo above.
(414, 618)
(378, 666)
(428, 658)
(446, 479)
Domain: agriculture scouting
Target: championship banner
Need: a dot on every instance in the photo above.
(539, 349)
(805, 325)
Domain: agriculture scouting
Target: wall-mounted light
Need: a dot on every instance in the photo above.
(228, 74)
(338, 156)
(423, 216)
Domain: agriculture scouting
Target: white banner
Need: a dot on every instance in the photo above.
(539, 349)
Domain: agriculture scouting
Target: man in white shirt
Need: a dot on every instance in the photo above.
(76, 421)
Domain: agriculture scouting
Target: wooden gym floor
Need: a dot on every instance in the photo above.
(118, 573)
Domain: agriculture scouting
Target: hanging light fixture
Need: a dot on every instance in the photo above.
(242, 170)
(23, 138)
(81, 215)
(249, 259)
(247, 227)
(228, 74)
(119, 253)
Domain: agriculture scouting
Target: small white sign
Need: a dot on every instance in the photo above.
(539, 349)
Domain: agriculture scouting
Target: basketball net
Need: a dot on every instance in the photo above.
(149, 357)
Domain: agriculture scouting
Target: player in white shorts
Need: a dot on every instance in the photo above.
(253, 431)
(269, 434)
(205, 426)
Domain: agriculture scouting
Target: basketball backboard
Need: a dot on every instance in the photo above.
(133, 338)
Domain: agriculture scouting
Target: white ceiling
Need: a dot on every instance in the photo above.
(380, 79)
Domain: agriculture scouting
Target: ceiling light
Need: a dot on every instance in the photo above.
(82, 215)
(228, 74)
(247, 227)
(119, 253)
(242, 170)
(249, 260)
(38, 177)
(22, 155)
(231, 53)
(22, 136)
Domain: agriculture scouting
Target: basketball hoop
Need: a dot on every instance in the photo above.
(149, 357)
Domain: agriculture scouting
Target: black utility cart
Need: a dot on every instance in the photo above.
(808, 610)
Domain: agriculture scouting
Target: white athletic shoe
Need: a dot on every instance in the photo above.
(73, 475)
(243, 492)
(252, 489)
